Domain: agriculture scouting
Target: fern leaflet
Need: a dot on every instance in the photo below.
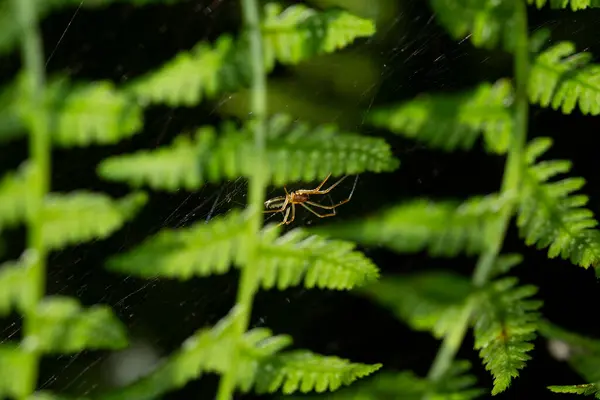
(62, 325)
(82, 216)
(457, 384)
(16, 285)
(15, 361)
(426, 301)
(14, 189)
(451, 121)
(289, 36)
(284, 261)
(487, 23)
(575, 5)
(444, 228)
(292, 149)
(550, 215)
(563, 79)
(505, 324)
(589, 389)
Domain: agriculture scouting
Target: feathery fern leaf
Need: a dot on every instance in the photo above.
(504, 263)
(81, 216)
(443, 228)
(298, 32)
(550, 215)
(487, 23)
(292, 149)
(62, 325)
(284, 261)
(457, 384)
(589, 389)
(451, 121)
(426, 301)
(10, 122)
(15, 363)
(304, 371)
(575, 5)
(16, 285)
(327, 264)
(80, 114)
(505, 324)
(289, 36)
(14, 189)
(563, 79)
(200, 250)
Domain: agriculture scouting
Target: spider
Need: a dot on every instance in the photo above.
(288, 202)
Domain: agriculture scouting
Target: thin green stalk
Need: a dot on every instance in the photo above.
(39, 149)
(257, 184)
(510, 184)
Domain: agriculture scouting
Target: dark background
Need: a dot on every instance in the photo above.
(411, 54)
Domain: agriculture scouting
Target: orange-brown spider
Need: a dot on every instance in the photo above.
(288, 202)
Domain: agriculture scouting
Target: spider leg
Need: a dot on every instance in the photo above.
(316, 213)
(322, 183)
(281, 209)
(287, 213)
(293, 214)
(329, 189)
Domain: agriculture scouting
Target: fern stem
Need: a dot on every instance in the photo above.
(39, 149)
(257, 184)
(511, 182)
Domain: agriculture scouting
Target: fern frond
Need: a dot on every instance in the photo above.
(284, 261)
(487, 23)
(298, 32)
(16, 285)
(292, 149)
(289, 36)
(200, 250)
(323, 263)
(426, 301)
(15, 363)
(589, 389)
(457, 384)
(563, 79)
(551, 215)
(454, 121)
(505, 324)
(304, 371)
(81, 216)
(14, 189)
(575, 5)
(443, 228)
(61, 325)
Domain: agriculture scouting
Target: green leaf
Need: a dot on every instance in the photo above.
(454, 121)
(295, 151)
(298, 32)
(14, 189)
(551, 215)
(562, 79)
(590, 389)
(457, 384)
(304, 371)
(488, 23)
(15, 364)
(443, 228)
(323, 263)
(80, 114)
(203, 249)
(62, 325)
(17, 285)
(289, 36)
(82, 216)
(426, 301)
(575, 5)
(505, 325)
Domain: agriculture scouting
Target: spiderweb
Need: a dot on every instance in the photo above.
(409, 55)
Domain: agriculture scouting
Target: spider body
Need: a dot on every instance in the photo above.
(287, 204)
